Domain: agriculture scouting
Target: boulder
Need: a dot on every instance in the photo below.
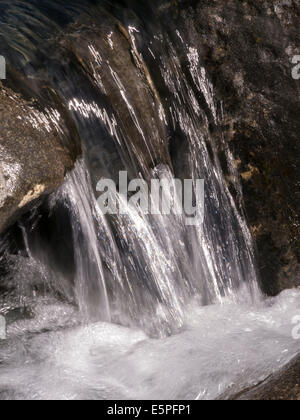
(32, 160)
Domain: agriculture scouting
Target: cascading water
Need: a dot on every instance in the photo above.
(152, 270)
(142, 103)
(90, 285)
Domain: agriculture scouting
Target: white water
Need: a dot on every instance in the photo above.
(154, 264)
(221, 350)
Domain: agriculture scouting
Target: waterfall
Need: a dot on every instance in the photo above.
(130, 305)
(145, 104)
(142, 269)
(90, 285)
(155, 265)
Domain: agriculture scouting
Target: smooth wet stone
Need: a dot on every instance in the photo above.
(109, 55)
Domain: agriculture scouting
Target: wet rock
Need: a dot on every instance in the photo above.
(108, 53)
(32, 160)
(284, 386)
(17, 314)
(247, 48)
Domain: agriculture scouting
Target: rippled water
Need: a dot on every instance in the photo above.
(220, 351)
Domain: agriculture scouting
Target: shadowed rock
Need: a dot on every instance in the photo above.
(282, 386)
(110, 58)
(247, 48)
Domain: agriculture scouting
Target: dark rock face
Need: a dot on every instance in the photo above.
(124, 77)
(32, 160)
(247, 48)
(118, 74)
(283, 386)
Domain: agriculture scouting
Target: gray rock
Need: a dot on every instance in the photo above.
(32, 161)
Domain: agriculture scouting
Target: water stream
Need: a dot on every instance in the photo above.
(132, 305)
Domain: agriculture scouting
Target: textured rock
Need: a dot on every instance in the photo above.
(107, 52)
(247, 48)
(284, 385)
(32, 161)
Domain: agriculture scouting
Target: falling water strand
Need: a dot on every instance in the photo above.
(90, 285)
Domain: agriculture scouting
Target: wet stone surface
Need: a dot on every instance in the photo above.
(32, 161)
